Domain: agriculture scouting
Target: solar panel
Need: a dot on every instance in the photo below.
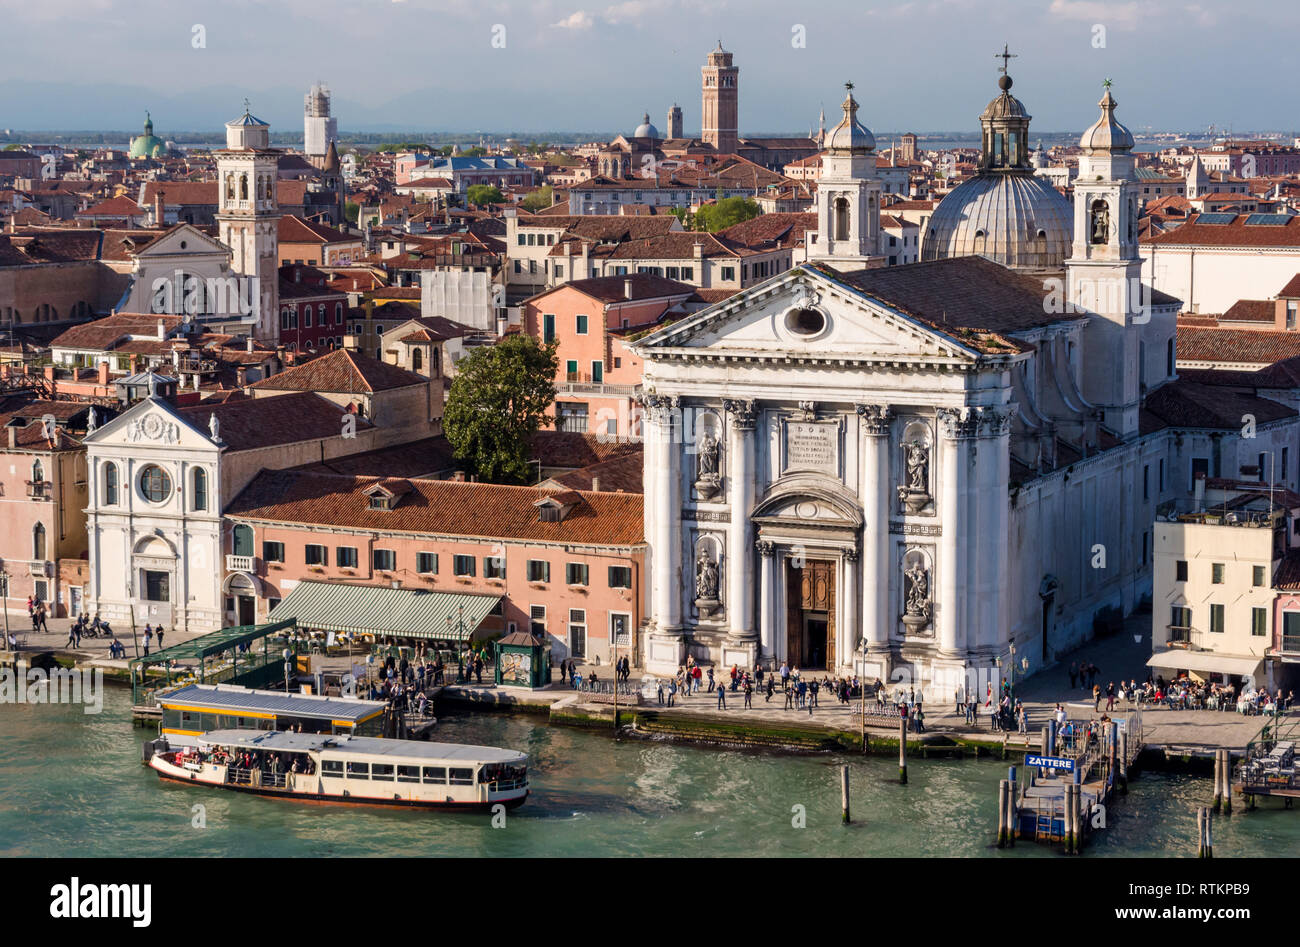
(1267, 220)
(1216, 218)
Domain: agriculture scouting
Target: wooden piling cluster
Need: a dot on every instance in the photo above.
(1223, 781)
(1204, 833)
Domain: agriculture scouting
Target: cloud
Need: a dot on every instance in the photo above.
(1113, 15)
(629, 11)
(580, 20)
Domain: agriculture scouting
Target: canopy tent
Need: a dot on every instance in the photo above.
(216, 642)
(1205, 662)
(382, 610)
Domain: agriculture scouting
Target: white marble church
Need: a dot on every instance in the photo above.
(910, 471)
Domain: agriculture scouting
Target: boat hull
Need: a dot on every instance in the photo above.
(170, 773)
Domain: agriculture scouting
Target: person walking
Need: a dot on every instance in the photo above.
(711, 682)
(698, 677)
(789, 696)
(722, 698)
(148, 638)
(919, 717)
(1074, 675)
(814, 688)
(785, 674)
(1022, 718)
(672, 691)
(659, 688)
(1096, 697)
(749, 694)
(1110, 697)
(770, 688)
(160, 637)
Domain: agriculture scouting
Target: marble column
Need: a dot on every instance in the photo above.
(741, 477)
(876, 610)
(995, 469)
(847, 632)
(954, 426)
(668, 507)
(767, 597)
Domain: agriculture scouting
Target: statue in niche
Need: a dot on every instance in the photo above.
(914, 494)
(916, 612)
(706, 585)
(708, 482)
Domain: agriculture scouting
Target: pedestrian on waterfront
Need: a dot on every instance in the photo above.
(564, 672)
(43, 613)
(770, 688)
(1110, 697)
(789, 697)
(970, 709)
(659, 690)
(919, 717)
(478, 669)
(1096, 697)
(697, 677)
(813, 690)
(710, 680)
(785, 673)
(722, 698)
(148, 638)
(672, 691)
(994, 712)
(758, 675)
(160, 636)
(72, 636)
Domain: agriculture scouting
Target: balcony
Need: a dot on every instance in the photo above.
(39, 489)
(1291, 644)
(241, 563)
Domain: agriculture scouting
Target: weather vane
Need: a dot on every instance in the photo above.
(1004, 56)
(247, 107)
(1106, 84)
(849, 86)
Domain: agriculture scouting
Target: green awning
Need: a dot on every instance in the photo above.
(205, 646)
(382, 610)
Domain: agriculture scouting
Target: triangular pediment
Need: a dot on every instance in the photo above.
(805, 314)
(151, 422)
(196, 243)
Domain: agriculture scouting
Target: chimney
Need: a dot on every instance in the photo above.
(158, 208)
(627, 289)
(698, 250)
(49, 372)
(101, 376)
(1198, 491)
(458, 476)
(248, 344)
(241, 376)
(162, 331)
(13, 436)
(595, 484)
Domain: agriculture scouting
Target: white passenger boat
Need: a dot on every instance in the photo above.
(349, 770)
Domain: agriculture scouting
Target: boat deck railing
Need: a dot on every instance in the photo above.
(243, 776)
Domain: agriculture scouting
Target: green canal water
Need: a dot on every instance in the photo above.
(72, 785)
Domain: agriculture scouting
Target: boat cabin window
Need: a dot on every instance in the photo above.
(358, 770)
(382, 771)
(436, 774)
(462, 777)
(408, 774)
(331, 767)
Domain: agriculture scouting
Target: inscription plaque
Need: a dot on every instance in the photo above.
(812, 445)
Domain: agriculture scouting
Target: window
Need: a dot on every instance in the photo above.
(315, 555)
(242, 540)
(571, 369)
(1162, 475)
(38, 541)
(345, 557)
(1180, 617)
(157, 586)
(382, 771)
(538, 571)
(1257, 576)
(426, 563)
(408, 774)
(306, 316)
(582, 325)
(575, 573)
(548, 328)
(1146, 482)
(463, 565)
(273, 552)
(494, 567)
(385, 560)
(200, 490)
(338, 314)
(728, 274)
(1258, 622)
(155, 484)
(597, 372)
(1216, 619)
(458, 776)
(1216, 573)
(331, 768)
(436, 775)
(110, 484)
(1180, 570)
(620, 577)
(358, 770)
(1283, 472)
(578, 632)
(537, 620)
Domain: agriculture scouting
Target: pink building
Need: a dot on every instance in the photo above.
(566, 563)
(592, 319)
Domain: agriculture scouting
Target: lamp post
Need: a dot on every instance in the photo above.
(4, 601)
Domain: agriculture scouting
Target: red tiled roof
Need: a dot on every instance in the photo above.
(102, 333)
(1185, 403)
(114, 207)
(572, 450)
(613, 289)
(624, 473)
(252, 423)
(1248, 346)
(1292, 289)
(1250, 310)
(341, 371)
(1235, 234)
(439, 507)
(293, 229)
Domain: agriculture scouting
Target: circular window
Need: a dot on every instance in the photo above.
(805, 321)
(155, 484)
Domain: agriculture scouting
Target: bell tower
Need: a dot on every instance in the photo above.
(1103, 273)
(848, 196)
(721, 108)
(248, 216)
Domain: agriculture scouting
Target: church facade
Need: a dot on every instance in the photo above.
(925, 471)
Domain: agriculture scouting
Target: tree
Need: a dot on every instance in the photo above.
(724, 213)
(684, 215)
(540, 199)
(484, 194)
(497, 402)
(351, 211)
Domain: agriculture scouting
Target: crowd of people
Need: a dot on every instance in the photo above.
(270, 763)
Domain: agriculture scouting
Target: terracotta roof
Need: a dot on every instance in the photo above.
(184, 193)
(440, 507)
(114, 207)
(1283, 374)
(1287, 577)
(1248, 346)
(625, 473)
(1186, 403)
(427, 458)
(293, 229)
(1292, 289)
(252, 423)
(341, 371)
(103, 333)
(1235, 234)
(613, 289)
(765, 230)
(573, 450)
(1250, 310)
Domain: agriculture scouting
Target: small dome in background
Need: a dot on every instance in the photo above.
(645, 129)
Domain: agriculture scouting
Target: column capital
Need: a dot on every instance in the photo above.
(766, 548)
(743, 413)
(994, 420)
(876, 418)
(661, 408)
(850, 553)
(957, 423)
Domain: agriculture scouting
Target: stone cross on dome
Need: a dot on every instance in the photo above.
(1004, 56)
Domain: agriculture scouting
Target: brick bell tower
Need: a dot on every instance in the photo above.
(720, 116)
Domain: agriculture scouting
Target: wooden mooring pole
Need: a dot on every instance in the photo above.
(1013, 819)
(844, 793)
(1218, 780)
(1004, 787)
(1227, 782)
(1205, 839)
(1069, 813)
(902, 750)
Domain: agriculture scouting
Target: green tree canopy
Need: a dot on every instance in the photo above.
(540, 199)
(497, 402)
(484, 194)
(728, 211)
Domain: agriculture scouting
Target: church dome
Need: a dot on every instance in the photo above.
(1018, 220)
(1106, 135)
(645, 129)
(147, 145)
(1005, 106)
(850, 137)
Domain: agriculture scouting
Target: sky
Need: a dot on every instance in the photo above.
(592, 65)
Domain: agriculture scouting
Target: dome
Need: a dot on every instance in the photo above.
(645, 129)
(850, 137)
(1005, 106)
(1015, 219)
(147, 145)
(1107, 135)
